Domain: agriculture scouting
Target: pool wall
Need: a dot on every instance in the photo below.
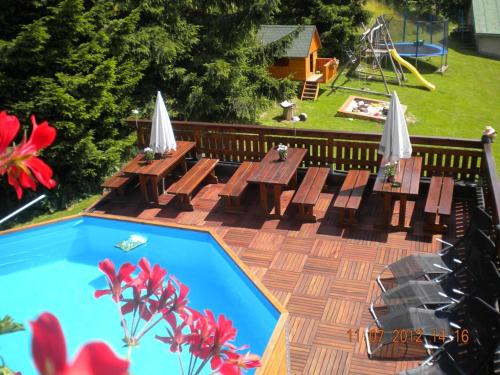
(275, 359)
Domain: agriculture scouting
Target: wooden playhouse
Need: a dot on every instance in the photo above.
(301, 62)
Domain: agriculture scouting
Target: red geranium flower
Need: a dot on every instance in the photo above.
(152, 278)
(223, 333)
(180, 301)
(9, 126)
(235, 362)
(176, 338)
(49, 353)
(115, 280)
(22, 164)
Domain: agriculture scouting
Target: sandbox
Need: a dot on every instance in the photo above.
(365, 108)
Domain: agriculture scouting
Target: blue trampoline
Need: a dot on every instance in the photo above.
(415, 50)
(420, 39)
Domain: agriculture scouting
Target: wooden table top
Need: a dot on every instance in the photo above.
(271, 170)
(408, 175)
(158, 167)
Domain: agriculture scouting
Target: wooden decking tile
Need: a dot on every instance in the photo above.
(325, 360)
(299, 245)
(313, 285)
(326, 248)
(354, 270)
(298, 356)
(267, 241)
(357, 290)
(342, 311)
(338, 336)
(239, 237)
(282, 280)
(257, 257)
(304, 306)
(364, 366)
(388, 255)
(358, 252)
(286, 261)
(259, 272)
(364, 237)
(321, 265)
(302, 330)
(281, 295)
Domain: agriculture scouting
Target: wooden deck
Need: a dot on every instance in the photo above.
(324, 274)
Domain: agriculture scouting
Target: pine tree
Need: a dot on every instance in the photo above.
(338, 21)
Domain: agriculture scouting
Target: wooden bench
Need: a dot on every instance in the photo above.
(351, 194)
(117, 182)
(203, 169)
(438, 202)
(308, 192)
(234, 188)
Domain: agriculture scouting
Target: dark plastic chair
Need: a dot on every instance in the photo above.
(441, 293)
(477, 355)
(437, 328)
(477, 245)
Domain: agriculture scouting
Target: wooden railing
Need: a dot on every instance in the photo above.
(491, 185)
(464, 159)
(328, 67)
(460, 158)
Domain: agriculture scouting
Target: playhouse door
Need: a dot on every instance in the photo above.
(311, 62)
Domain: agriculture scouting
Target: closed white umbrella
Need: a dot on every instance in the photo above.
(395, 143)
(162, 135)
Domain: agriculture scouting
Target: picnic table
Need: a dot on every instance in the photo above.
(408, 175)
(150, 173)
(274, 174)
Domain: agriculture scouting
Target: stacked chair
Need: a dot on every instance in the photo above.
(443, 308)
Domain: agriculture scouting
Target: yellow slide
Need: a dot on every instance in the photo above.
(412, 69)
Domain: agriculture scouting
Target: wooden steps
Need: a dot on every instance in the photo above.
(310, 90)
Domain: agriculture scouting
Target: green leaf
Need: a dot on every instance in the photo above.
(8, 325)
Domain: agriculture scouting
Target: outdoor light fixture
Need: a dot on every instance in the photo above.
(136, 113)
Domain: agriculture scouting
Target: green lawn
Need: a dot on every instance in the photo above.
(465, 101)
(75, 209)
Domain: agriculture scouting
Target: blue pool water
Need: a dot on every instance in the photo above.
(54, 268)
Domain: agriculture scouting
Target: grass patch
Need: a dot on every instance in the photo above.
(464, 102)
(74, 209)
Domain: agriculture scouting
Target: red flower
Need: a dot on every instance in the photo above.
(22, 164)
(49, 353)
(115, 280)
(9, 126)
(164, 304)
(235, 362)
(223, 333)
(152, 278)
(176, 338)
(180, 301)
(201, 337)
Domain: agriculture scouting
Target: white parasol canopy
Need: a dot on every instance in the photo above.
(395, 143)
(162, 135)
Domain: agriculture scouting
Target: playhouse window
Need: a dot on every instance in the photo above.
(285, 61)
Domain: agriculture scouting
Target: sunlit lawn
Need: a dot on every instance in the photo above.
(465, 101)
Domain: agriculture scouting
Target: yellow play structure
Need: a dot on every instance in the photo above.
(365, 62)
(412, 69)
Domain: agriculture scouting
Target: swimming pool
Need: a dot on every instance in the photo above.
(54, 268)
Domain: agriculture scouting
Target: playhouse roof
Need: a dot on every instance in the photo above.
(300, 45)
(486, 16)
